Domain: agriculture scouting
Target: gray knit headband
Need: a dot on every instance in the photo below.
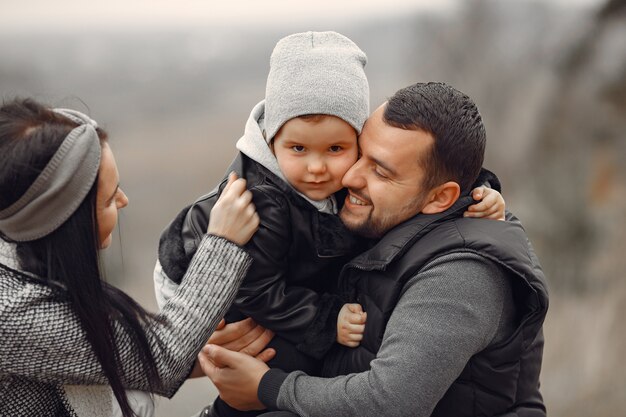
(60, 188)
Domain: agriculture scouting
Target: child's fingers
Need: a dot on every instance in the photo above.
(478, 213)
(356, 318)
(485, 208)
(486, 214)
(495, 209)
(489, 201)
(355, 337)
(474, 214)
(353, 328)
(496, 215)
(355, 308)
(359, 318)
(478, 193)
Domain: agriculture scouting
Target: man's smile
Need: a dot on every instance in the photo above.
(356, 200)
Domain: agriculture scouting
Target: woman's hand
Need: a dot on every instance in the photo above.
(243, 336)
(233, 216)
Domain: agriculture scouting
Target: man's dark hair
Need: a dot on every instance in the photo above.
(455, 123)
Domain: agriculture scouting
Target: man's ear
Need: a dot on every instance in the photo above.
(442, 197)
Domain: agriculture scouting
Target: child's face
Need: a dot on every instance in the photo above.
(314, 155)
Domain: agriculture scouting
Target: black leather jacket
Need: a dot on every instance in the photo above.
(297, 254)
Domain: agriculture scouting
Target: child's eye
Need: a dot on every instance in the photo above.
(335, 148)
(297, 148)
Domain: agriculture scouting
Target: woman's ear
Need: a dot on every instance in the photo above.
(442, 197)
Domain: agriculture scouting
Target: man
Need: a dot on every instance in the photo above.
(455, 306)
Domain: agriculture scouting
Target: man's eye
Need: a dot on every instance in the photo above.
(335, 148)
(380, 174)
(298, 148)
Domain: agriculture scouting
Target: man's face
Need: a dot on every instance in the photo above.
(385, 184)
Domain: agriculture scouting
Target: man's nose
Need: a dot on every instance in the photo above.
(353, 178)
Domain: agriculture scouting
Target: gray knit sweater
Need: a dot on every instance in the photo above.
(44, 350)
(455, 307)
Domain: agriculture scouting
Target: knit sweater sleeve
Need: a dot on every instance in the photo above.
(451, 310)
(44, 341)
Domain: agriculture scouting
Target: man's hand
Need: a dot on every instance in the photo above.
(243, 336)
(351, 325)
(235, 375)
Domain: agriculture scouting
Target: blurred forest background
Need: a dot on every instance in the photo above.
(548, 76)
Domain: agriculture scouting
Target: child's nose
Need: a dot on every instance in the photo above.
(317, 166)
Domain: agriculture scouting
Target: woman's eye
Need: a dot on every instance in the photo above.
(335, 148)
(298, 148)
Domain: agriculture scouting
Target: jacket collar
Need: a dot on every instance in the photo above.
(330, 235)
(402, 237)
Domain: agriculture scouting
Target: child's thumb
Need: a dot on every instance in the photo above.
(355, 308)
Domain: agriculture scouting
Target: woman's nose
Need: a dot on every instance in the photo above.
(122, 200)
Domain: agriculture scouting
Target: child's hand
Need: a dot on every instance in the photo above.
(351, 325)
(491, 207)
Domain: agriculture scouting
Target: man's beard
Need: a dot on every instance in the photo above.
(368, 228)
(376, 228)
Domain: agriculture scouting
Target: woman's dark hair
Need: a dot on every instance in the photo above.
(67, 258)
(455, 123)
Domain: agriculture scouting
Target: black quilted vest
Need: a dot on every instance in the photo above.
(502, 380)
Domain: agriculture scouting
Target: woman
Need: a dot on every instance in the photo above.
(68, 337)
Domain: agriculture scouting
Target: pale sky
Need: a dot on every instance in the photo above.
(29, 15)
(127, 13)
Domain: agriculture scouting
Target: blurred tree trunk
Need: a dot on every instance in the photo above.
(579, 158)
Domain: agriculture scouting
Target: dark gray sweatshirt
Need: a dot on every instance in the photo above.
(455, 307)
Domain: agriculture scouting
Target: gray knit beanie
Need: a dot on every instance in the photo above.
(316, 73)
